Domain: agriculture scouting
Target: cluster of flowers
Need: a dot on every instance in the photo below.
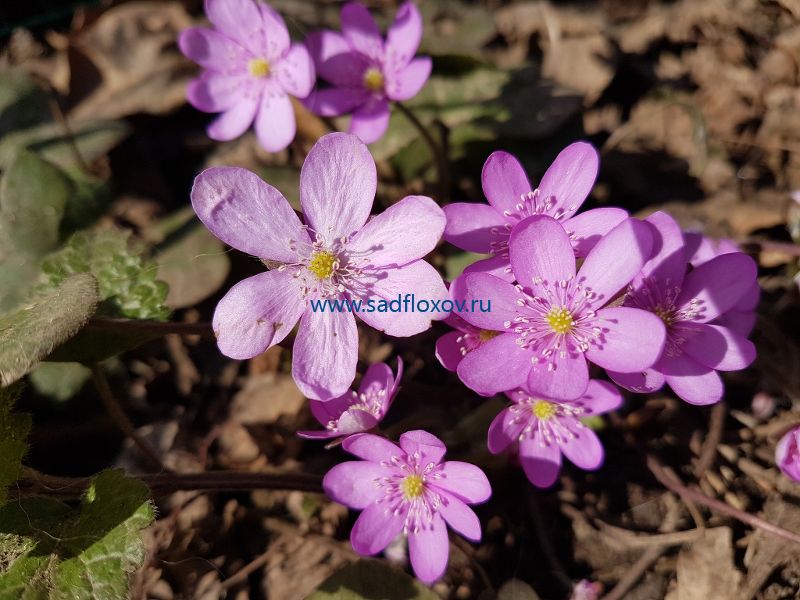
(252, 70)
(648, 303)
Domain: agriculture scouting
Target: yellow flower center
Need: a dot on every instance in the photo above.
(487, 334)
(543, 409)
(412, 487)
(322, 264)
(560, 320)
(259, 67)
(374, 80)
(665, 315)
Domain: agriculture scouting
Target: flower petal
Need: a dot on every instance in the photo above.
(355, 421)
(464, 481)
(497, 297)
(615, 260)
(470, 226)
(247, 213)
(643, 382)
(460, 517)
(786, 454)
(428, 446)
(495, 366)
(717, 285)
(404, 35)
(738, 321)
(717, 347)
(384, 240)
(275, 125)
(371, 447)
(295, 71)
(448, 350)
(495, 265)
(217, 92)
(407, 83)
(568, 181)
(504, 181)
(337, 186)
(334, 60)
(749, 301)
(417, 281)
(567, 381)
(378, 377)
(540, 461)
(370, 120)
(212, 50)
(274, 40)
(669, 262)
(691, 381)
(353, 483)
(236, 120)
(601, 397)
(325, 354)
(540, 251)
(429, 549)
(630, 340)
(584, 450)
(239, 20)
(504, 431)
(586, 228)
(376, 527)
(333, 102)
(256, 313)
(361, 31)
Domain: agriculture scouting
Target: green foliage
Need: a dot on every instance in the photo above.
(30, 333)
(454, 265)
(22, 102)
(371, 580)
(51, 552)
(13, 435)
(127, 282)
(59, 381)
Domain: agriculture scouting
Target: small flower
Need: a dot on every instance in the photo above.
(486, 229)
(251, 69)
(452, 347)
(586, 590)
(688, 303)
(409, 490)
(356, 412)
(336, 255)
(367, 73)
(787, 454)
(540, 430)
(554, 320)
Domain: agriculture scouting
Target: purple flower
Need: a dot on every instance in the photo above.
(688, 303)
(452, 347)
(553, 321)
(336, 255)
(251, 68)
(541, 430)
(565, 186)
(787, 454)
(356, 412)
(367, 73)
(408, 490)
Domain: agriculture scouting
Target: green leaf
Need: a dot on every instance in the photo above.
(22, 102)
(59, 381)
(13, 435)
(53, 553)
(190, 260)
(455, 264)
(33, 194)
(371, 580)
(30, 333)
(127, 281)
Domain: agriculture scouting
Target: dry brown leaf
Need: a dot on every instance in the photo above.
(265, 398)
(706, 569)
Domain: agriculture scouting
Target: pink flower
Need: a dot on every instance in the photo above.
(251, 68)
(541, 430)
(365, 72)
(336, 255)
(688, 303)
(409, 490)
(787, 454)
(553, 321)
(356, 412)
(565, 186)
(452, 347)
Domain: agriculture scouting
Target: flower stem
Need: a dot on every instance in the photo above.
(439, 155)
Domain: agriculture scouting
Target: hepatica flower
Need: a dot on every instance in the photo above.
(540, 430)
(688, 302)
(787, 454)
(408, 490)
(554, 320)
(452, 347)
(366, 72)
(356, 412)
(251, 69)
(486, 228)
(335, 255)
